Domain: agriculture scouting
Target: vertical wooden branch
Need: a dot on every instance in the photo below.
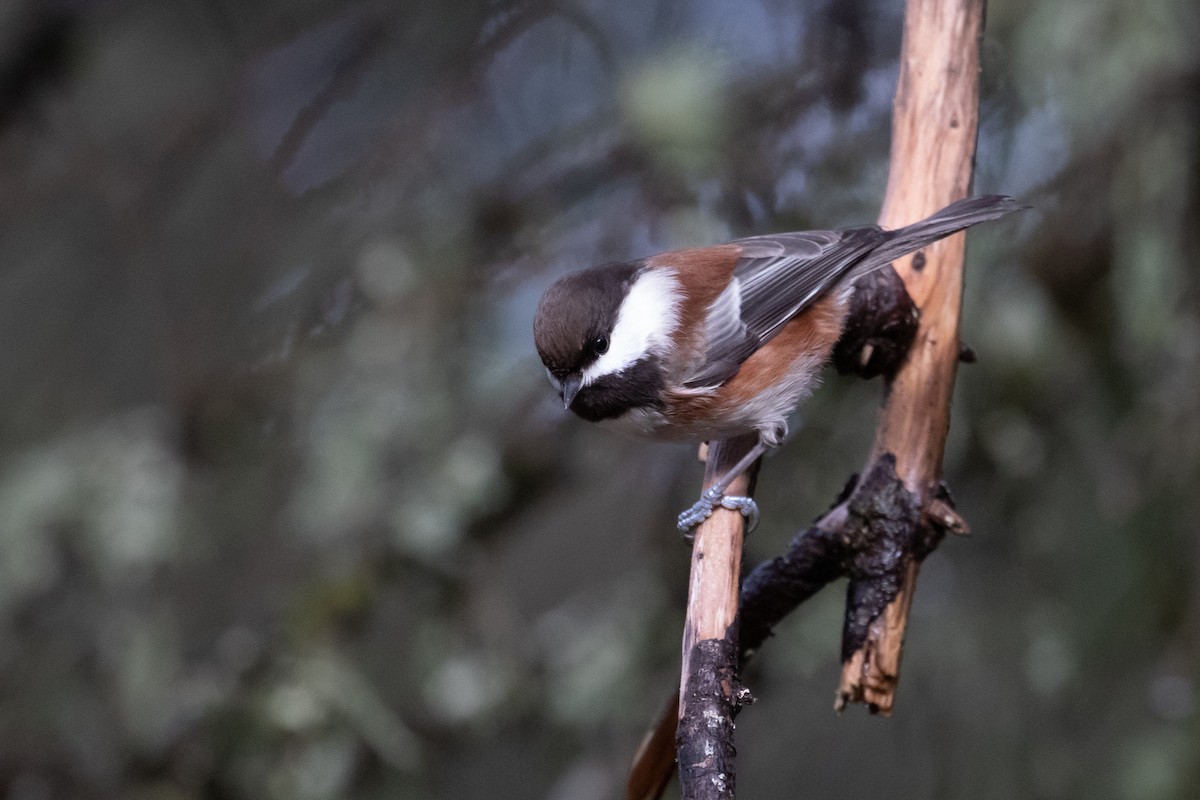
(709, 690)
(933, 153)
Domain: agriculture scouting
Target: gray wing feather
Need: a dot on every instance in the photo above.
(728, 342)
(780, 275)
(775, 279)
(777, 288)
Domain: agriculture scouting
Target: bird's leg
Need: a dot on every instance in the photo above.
(714, 496)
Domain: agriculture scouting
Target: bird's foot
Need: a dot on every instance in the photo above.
(746, 506)
(703, 509)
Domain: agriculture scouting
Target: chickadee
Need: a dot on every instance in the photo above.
(713, 342)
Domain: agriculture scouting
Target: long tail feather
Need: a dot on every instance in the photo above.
(952, 218)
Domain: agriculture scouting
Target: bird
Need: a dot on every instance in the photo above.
(712, 342)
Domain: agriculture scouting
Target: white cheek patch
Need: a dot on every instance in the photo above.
(648, 316)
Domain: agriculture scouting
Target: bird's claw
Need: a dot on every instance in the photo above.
(746, 507)
(703, 509)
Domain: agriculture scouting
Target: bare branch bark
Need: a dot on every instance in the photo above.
(934, 129)
(709, 689)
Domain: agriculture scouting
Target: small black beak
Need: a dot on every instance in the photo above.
(570, 388)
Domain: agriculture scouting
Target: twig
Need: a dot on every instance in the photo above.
(654, 762)
(933, 152)
(709, 689)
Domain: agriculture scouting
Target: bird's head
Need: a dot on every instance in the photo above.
(601, 333)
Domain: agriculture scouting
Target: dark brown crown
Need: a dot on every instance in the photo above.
(576, 310)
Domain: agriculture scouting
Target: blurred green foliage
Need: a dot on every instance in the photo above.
(288, 511)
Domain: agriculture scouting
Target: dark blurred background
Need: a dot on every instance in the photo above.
(287, 509)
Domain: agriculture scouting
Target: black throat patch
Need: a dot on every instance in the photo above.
(637, 386)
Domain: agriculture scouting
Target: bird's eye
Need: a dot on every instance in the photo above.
(600, 345)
